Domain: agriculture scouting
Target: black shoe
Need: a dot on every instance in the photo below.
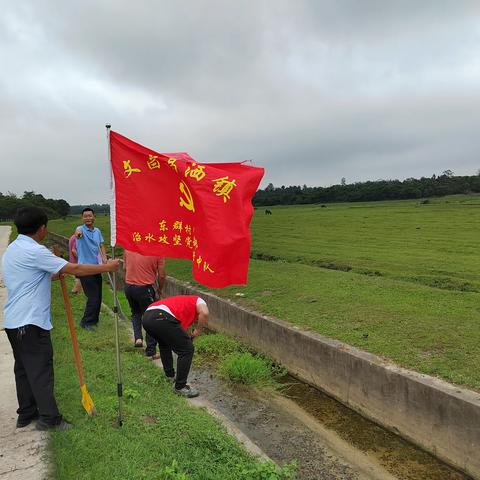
(23, 422)
(62, 426)
(187, 391)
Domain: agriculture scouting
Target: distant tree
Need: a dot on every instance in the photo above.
(343, 181)
(62, 207)
(98, 208)
(53, 208)
(445, 184)
(270, 188)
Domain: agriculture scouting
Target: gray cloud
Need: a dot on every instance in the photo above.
(314, 91)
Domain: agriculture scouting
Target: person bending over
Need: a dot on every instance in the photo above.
(168, 321)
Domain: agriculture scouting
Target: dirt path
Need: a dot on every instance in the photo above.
(22, 451)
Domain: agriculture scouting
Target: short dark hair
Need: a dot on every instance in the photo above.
(88, 209)
(29, 219)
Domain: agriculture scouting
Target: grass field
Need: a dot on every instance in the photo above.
(399, 279)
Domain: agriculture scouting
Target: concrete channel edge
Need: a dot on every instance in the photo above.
(441, 418)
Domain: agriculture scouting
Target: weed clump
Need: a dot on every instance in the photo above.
(216, 346)
(248, 369)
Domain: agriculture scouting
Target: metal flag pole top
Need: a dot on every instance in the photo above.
(114, 286)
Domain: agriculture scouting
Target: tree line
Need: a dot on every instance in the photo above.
(411, 188)
(97, 208)
(10, 202)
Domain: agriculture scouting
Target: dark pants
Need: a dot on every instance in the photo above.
(92, 287)
(139, 298)
(33, 353)
(170, 335)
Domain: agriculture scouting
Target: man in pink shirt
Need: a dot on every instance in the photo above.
(168, 321)
(141, 274)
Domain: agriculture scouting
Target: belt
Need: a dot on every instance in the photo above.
(164, 308)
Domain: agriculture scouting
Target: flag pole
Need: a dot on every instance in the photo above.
(114, 286)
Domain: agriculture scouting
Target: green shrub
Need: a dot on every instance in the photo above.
(249, 370)
(217, 345)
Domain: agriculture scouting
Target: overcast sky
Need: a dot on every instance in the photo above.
(312, 90)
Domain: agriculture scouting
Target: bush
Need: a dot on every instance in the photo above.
(249, 370)
(215, 346)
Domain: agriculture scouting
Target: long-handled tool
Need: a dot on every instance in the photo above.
(87, 401)
(113, 242)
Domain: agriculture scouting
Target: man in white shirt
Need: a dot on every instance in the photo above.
(27, 269)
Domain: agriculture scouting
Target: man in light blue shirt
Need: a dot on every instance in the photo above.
(27, 269)
(27, 272)
(90, 249)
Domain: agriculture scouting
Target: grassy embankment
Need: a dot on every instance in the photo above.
(399, 279)
(162, 437)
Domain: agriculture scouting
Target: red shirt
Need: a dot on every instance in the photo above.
(183, 307)
(141, 269)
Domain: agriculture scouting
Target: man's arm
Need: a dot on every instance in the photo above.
(83, 269)
(202, 321)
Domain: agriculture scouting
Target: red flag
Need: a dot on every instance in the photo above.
(167, 204)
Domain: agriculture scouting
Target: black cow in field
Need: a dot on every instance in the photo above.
(268, 212)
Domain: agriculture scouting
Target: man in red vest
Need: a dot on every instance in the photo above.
(168, 322)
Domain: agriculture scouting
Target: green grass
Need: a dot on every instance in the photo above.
(235, 363)
(162, 437)
(66, 227)
(217, 346)
(248, 369)
(399, 279)
(434, 244)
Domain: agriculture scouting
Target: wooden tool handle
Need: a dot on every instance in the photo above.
(71, 324)
(73, 334)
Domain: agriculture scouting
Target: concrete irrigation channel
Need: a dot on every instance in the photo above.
(385, 418)
(299, 422)
(328, 440)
